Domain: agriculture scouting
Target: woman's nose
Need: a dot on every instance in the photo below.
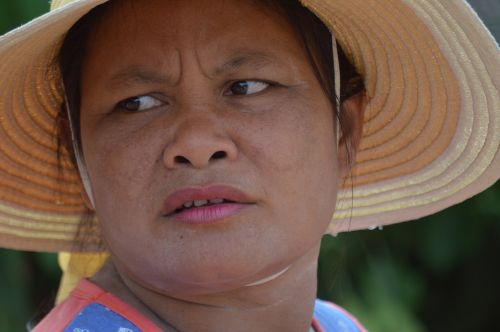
(198, 143)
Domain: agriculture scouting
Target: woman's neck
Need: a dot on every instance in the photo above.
(284, 303)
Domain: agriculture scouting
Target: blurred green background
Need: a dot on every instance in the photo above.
(441, 273)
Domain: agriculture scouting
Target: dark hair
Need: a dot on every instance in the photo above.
(314, 35)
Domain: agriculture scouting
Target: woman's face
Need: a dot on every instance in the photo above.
(193, 100)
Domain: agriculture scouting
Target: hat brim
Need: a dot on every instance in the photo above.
(431, 134)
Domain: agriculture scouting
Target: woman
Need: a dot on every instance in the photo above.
(211, 139)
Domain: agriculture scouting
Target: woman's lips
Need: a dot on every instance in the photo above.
(210, 214)
(205, 205)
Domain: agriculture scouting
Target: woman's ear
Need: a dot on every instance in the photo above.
(351, 128)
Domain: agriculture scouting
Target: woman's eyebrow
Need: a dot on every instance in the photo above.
(137, 75)
(255, 60)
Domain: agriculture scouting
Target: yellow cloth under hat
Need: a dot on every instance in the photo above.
(76, 266)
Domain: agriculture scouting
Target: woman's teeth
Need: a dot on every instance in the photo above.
(198, 203)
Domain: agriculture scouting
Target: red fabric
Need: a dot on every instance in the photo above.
(317, 326)
(84, 294)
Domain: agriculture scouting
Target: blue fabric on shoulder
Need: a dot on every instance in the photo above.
(98, 318)
(333, 319)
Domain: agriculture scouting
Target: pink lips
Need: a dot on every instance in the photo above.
(234, 200)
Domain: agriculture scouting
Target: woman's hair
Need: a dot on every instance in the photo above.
(313, 34)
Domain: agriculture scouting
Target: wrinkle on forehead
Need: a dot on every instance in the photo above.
(137, 75)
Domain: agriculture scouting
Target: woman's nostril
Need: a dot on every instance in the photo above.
(195, 160)
(181, 160)
(219, 155)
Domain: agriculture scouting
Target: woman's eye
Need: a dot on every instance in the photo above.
(140, 103)
(248, 87)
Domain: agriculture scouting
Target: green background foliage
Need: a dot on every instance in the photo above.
(441, 273)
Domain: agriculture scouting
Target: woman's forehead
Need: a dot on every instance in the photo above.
(175, 18)
(226, 35)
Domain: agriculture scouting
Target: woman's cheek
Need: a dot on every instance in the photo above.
(296, 154)
(120, 183)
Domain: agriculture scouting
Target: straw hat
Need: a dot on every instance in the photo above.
(431, 131)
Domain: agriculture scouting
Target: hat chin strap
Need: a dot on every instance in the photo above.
(80, 163)
(336, 74)
(269, 278)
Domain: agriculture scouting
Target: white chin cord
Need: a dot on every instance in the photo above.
(336, 73)
(267, 279)
(80, 164)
